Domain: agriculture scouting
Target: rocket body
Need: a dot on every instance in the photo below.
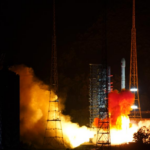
(123, 65)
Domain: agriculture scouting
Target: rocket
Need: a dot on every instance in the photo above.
(123, 65)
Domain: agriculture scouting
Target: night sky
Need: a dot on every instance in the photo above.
(26, 35)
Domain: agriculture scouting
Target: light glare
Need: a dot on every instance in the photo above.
(134, 107)
(133, 89)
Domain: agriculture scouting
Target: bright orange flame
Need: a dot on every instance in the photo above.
(119, 105)
(119, 108)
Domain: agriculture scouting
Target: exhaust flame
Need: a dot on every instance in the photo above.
(123, 134)
(121, 128)
(119, 109)
(75, 134)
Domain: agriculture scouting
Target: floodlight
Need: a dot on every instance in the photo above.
(133, 89)
(134, 107)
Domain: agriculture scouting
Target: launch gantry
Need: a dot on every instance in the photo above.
(99, 88)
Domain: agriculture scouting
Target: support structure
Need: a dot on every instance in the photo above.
(53, 133)
(103, 129)
(93, 92)
(133, 81)
(103, 132)
(99, 102)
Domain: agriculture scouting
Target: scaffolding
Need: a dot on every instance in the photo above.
(53, 134)
(93, 93)
(98, 96)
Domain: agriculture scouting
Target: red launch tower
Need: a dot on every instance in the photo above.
(133, 81)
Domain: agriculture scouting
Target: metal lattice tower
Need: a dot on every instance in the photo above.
(103, 130)
(99, 102)
(53, 133)
(95, 91)
(133, 81)
(100, 85)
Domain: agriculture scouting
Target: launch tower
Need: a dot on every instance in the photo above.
(99, 88)
(133, 81)
(53, 133)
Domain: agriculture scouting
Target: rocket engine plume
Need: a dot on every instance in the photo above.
(119, 108)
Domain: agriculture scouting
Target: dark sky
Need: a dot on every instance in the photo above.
(26, 35)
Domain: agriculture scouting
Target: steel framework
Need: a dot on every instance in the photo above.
(99, 90)
(133, 81)
(53, 133)
(93, 93)
(98, 97)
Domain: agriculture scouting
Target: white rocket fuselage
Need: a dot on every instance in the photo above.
(123, 65)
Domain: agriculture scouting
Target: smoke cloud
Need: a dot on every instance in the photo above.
(34, 98)
(119, 104)
(34, 106)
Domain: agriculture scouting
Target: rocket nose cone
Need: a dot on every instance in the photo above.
(122, 59)
(123, 62)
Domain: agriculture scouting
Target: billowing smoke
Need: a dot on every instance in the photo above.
(34, 106)
(119, 104)
(34, 96)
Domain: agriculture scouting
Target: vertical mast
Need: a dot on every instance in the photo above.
(54, 73)
(133, 15)
(53, 133)
(133, 81)
(133, 55)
